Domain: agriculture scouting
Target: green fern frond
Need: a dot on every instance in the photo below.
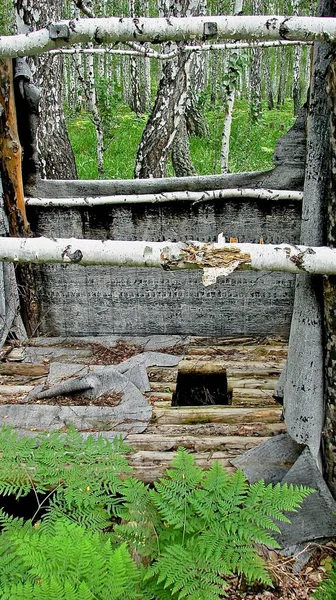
(327, 590)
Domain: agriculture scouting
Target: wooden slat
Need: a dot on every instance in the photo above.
(216, 415)
(218, 429)
(25, 369)
(229, 445)
(15, 390)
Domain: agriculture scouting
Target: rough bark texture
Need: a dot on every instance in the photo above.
(329, 433)
(255, 101)
(196, 121)
(181, 159)
(159, 133)
(27, 97)
(55, 152)
(303, 392)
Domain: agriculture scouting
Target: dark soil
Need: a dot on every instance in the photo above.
(288, 585)
(108, 399)
(103, 355)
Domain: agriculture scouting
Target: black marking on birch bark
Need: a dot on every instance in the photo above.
(283, 29)
(210, 30)
(59, 31)
(74, 257)
(271, 24)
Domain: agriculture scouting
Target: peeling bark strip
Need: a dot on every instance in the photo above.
(10, 153)
(196, 197)
(147, 29)
(217, 258)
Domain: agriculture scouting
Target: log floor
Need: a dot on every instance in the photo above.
(209, 432)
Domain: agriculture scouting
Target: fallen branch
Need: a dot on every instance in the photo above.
(196, 197)
(216, 259)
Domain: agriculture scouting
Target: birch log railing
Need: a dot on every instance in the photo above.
(215, 259)
(156, 30)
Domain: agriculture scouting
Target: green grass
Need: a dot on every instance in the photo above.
(252, 145)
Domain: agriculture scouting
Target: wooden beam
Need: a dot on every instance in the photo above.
(11, 153)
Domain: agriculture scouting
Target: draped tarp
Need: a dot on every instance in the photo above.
(10, 318)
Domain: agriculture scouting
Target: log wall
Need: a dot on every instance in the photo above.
(104, 300)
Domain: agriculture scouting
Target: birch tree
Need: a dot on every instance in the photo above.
(232, 81)
(55, 152)
(167, 118)
(255, 99)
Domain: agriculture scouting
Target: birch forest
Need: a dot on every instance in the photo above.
(154, 110)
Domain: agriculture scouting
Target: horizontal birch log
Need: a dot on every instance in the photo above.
(156, 30)
(150, 53)
(216, 259)
(195, 197)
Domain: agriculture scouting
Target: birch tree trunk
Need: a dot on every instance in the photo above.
(169, 107)
(135, 93)
(296, 88)
(181, 159)
(55, 152)
(232, 81)
(268, 81)
(255, 99)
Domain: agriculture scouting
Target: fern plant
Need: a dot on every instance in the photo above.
(104, 535)
(198, 527)
(327, 590)
(63, 560)
(69, 475)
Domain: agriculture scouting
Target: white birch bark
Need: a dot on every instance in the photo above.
(255, 97)
(148, 52)
(93, 109)
(114, 29)
(195, 197)
(216, 259)
(229, 103)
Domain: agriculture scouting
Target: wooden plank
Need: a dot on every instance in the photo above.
(15, 390)
(261, 383)
(229, 445)
(216, 415)
(265, 352)
(218, 429)
(233, 369)
(11, 153)
(150, 473)
(25, 369)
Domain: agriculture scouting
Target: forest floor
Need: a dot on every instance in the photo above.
(289, 585)
(252, 144)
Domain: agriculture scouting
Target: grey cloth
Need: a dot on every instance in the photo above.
(129, 379)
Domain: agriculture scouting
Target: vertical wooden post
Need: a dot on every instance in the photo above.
(329, 432)
(11, 153)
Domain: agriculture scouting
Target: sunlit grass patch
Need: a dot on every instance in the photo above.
(252, 144)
